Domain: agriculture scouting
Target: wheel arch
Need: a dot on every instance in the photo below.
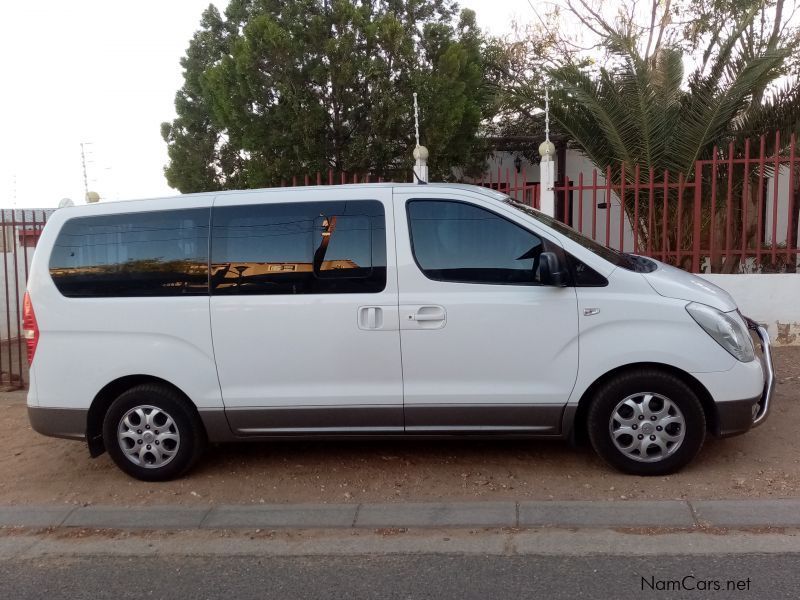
(110, 392)
(577, 427)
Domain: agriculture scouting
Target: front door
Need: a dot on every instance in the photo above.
(304, 312)
(485, 346)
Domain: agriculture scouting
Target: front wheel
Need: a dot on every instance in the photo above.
(646, 422)
(152, 434)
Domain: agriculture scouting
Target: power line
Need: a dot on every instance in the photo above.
(538, 16)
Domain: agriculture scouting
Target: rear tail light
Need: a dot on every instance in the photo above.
(30, 329)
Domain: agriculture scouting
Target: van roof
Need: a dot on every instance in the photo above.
(464, 186)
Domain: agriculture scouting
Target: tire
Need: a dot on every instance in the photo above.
(152, 433)
(638, 407)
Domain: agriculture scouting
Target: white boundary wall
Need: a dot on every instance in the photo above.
(772, 299)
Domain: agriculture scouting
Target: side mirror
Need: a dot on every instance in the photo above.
(551, 270)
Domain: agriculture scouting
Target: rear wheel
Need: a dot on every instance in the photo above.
(646, 422)
(152, 434)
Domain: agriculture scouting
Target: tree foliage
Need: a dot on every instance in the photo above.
(274, 89)
(639, 105)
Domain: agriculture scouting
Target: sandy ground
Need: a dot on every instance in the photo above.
(765, 463)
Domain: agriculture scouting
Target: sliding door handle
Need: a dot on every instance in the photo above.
(370, 317)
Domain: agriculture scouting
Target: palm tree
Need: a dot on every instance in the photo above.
(642, 111)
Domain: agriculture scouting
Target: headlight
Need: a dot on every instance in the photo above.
(727, 328)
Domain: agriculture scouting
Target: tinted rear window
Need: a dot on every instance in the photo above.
(299, 248)
(157, 253)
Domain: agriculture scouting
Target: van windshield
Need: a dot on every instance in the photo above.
(615, 257)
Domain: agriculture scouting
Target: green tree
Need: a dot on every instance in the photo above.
(275, 89)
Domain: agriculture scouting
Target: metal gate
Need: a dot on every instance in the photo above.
(21, 229)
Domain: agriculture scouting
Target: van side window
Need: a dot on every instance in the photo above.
(154, 253)
(459, 242)
(299, 248)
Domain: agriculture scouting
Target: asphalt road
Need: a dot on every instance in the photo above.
(442, 577)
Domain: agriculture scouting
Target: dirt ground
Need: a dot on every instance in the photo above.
(765, 463)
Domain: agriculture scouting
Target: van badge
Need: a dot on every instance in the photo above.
(588, 312)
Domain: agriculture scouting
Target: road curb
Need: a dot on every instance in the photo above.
(679, 514)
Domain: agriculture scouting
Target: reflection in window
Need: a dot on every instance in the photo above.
(459, 242)
(158, 253)
(299, 248)
(340, 241)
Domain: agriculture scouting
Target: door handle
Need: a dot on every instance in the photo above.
(422, 317)
(427, 317)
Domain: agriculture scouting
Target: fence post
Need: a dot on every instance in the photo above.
(698, 216)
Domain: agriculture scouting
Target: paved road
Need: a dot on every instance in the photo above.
(442, 577)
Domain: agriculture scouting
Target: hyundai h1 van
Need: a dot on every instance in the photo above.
(389, 310)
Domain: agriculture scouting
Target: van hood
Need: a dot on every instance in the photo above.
(674, 283)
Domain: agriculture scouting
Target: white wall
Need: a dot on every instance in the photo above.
(768, 299)
(576, 163)
(605, 219)
(781, 226)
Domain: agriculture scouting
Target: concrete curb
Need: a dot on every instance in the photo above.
(680, 514)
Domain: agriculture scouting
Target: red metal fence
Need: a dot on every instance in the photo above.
(734, 213)
(331, 177)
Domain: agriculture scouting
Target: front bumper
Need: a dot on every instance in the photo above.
(761, 409)
(734, 416)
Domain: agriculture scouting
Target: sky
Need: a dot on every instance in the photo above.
(105, 73)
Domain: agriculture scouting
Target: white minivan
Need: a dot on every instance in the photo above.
(391, 310)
